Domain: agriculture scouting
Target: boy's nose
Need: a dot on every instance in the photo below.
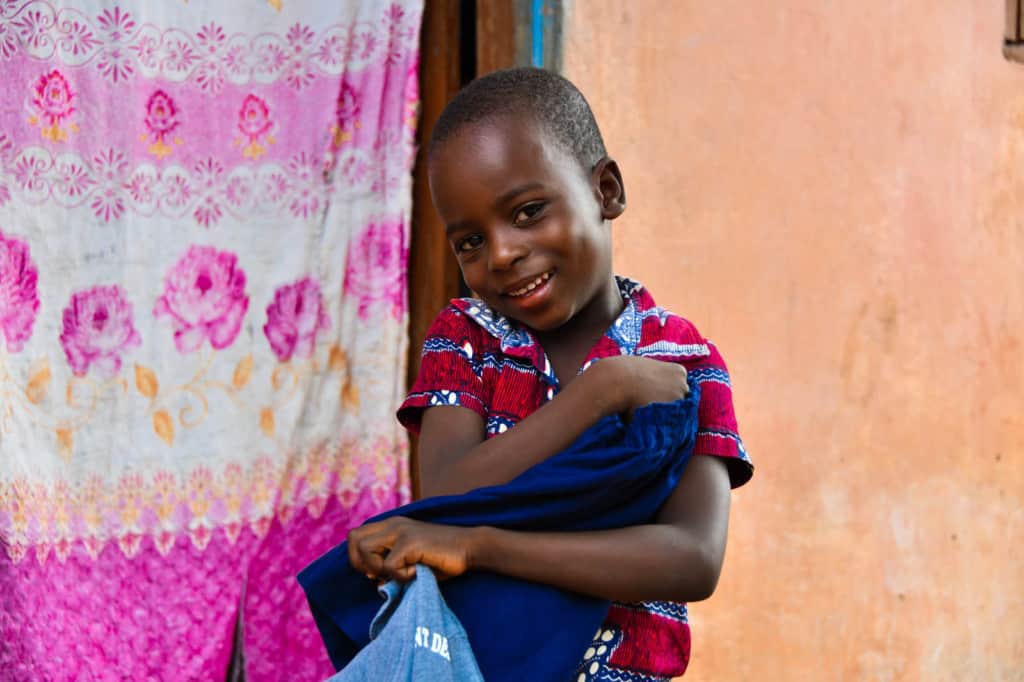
(506, 250)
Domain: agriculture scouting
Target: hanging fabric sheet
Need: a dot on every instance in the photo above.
(203, 237)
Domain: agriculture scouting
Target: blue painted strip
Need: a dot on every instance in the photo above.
(537, 32)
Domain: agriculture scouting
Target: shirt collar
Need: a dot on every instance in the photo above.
(518, 341)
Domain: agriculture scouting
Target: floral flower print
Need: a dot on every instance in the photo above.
(19, 298)
(294, 318)
(373, 273)
(161, 120)
(98, 328)
(52, 98)
(204, 297)
(255, 124)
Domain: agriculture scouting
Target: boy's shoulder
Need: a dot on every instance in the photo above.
(465, 318)
(661, 333)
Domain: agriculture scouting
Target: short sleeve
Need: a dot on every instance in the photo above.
(717, 432)
(450, 370)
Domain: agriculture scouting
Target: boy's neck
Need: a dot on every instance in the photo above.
(568, 346)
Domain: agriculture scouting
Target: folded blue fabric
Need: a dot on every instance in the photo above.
(614, 475)
(415, 638)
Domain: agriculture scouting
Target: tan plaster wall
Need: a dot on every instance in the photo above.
(834, 193)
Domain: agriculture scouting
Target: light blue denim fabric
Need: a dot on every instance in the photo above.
(415, 638)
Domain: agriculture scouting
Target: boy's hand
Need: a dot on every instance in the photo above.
(641, 381)
(390, 549)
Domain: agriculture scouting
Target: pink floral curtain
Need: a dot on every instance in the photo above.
(203, 235)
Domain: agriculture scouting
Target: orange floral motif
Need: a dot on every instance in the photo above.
(234, 495)
(233, 480)
(39, 381)
(350, 396)
(243, 370)
(162, 496)
(200, 492)
(267, 422)
(262, 484)
(37, 497)
(52, 98)
(163, 425)
(130, 494)
(318, 468)
(337, 360)
(65, 443)
(146, 381)
(289, 491)
(92, 500)
(60, 504)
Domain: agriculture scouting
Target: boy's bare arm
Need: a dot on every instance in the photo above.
(678, 557)
(456, 458)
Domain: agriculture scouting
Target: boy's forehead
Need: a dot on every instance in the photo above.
(504, 144)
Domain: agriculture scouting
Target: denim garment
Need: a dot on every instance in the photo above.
(414, 638)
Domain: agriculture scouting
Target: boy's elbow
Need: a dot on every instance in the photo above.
(705, 583)
(700, 579)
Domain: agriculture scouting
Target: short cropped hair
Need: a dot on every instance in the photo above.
(554, 102)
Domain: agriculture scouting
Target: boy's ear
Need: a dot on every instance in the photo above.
(610, 189)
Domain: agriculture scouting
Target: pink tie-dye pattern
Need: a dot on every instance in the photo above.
(293, 319)
(19, 300)
(204, 295)
(98, 328)
(170, 613)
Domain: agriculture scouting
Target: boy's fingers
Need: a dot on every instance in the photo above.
(354, 558)
(369, 552)
(401, 560)
(356, 540)
(374, 564)
(378, 550)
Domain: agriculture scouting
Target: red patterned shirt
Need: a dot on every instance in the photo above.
(476, 358)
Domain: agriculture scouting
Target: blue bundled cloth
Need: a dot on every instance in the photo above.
(613, 476)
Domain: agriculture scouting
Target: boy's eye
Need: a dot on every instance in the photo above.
(528, 212)
(467, 244)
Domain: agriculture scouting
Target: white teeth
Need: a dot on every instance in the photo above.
(532, 285)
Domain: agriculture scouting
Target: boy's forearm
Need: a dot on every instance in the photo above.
(639, 563)
(586, 400)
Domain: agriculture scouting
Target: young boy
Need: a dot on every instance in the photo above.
(552, 343)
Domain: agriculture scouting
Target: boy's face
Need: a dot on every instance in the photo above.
(524, 219)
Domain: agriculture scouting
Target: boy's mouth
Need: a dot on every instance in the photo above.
(524, 289)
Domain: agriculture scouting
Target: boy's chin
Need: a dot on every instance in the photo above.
(538, 323)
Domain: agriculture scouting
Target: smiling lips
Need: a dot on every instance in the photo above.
(530, 286)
